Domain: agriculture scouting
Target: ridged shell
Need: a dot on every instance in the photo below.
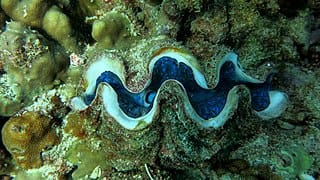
(97, 82)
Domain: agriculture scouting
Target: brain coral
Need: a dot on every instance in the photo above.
(26, 136)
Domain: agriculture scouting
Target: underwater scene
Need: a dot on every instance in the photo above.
(160, 89)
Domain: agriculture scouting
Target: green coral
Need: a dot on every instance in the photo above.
(299, 160)
(87, 159)
(29, 12)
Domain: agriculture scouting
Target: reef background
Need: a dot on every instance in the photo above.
(45, 46)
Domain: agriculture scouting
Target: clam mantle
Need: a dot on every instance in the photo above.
(211, 108)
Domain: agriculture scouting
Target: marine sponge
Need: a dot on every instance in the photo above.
(26, 136)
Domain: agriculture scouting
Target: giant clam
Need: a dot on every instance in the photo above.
(210, 108)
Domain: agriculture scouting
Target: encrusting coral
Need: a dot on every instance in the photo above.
(299, 161)
(26, 136)
(86, 159)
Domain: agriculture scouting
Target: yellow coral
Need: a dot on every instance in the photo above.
(40, 14)
(29, 12)
(75, 125)
(58, 26)
(30, 65)
(26, 136)
(109, 30)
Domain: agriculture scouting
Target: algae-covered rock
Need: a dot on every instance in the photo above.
(185, 5)
(190, 5)
(26, 136)
(30, 62)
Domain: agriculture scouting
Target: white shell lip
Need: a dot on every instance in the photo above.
(102, 64)
(78, 104)
(110, 102)
(222, 117)
(278, 103)
(278, 100)
(233, 57)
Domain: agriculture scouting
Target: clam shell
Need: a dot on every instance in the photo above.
(107, 76)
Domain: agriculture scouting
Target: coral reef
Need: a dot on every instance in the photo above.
(26, 136)
(31, 64)
(38, 83)
(40, 14)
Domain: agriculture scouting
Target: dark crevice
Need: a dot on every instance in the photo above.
(82, 30)
(291, 8)
(229, 40)
(3, 120)
(185, 27)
